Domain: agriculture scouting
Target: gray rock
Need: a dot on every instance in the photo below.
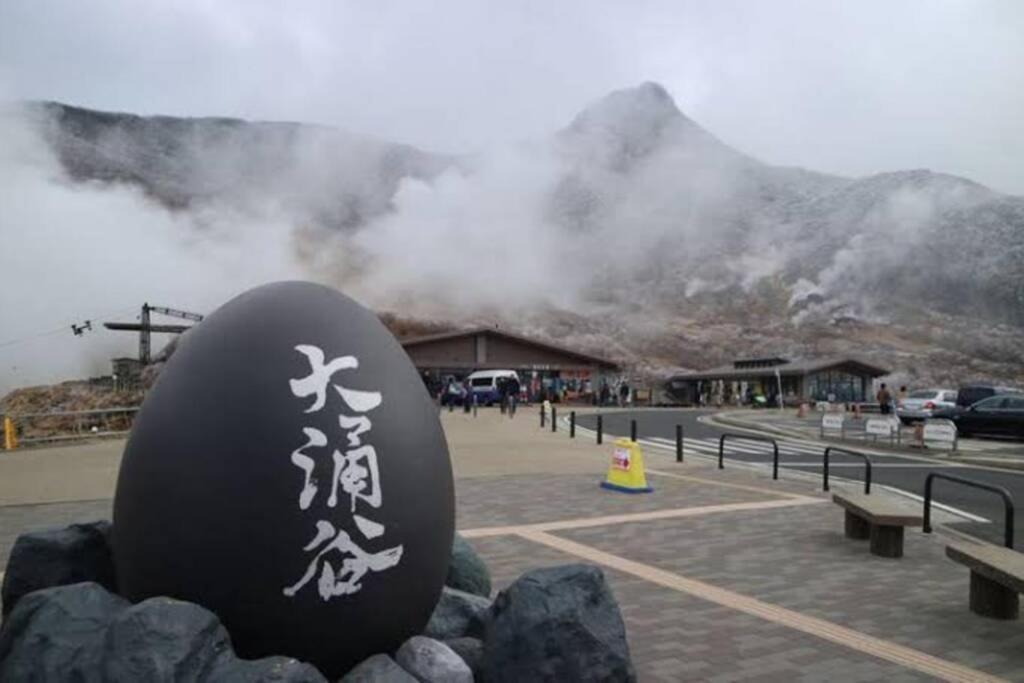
(557, 624)
(431, 661)
(472, 652)
(466, 571)
(378, 669)
(458, 614)
(58, 557)
(84, 633)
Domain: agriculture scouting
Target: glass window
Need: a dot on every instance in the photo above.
(949, 396)
(482, 381)
(993, 403)
(1014, 403)
(922, 394)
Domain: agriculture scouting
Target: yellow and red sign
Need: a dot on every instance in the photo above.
(626, 471)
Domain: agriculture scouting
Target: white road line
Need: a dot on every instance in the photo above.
(689, 450)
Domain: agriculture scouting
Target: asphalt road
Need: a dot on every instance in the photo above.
(908, 473)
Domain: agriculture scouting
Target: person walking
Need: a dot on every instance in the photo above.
(606, 393)
(884, 398)
(512, 389)
(623, 394)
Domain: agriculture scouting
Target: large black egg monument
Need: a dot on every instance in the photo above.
(289, 472)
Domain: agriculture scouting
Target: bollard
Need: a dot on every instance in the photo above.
(474, 408)
(632, 431)
(451, 406)
(600, 429)
(542, 416)
(572, 425)
(679, 443)
(554, 419)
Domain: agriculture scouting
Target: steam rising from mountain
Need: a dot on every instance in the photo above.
(632, 231)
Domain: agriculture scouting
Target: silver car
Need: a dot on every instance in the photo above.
(922, 404)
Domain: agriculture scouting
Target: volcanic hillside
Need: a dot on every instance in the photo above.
(673, 249)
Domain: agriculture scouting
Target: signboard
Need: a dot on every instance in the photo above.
(832, 421)
(620, 459)
(940, 430)
(879, 427)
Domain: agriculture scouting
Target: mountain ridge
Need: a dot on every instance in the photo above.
(655, 221)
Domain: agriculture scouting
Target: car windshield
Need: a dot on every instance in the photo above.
(930, 393)
(482, 381)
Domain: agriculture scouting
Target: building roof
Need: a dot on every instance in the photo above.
(584, 358)
(793, 368)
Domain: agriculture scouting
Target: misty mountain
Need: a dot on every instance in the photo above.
(694, 249)
(318, 174)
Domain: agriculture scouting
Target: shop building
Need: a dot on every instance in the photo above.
(542, 367)
(844, 380)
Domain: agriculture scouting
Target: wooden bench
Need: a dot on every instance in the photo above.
(876, 518)
(997, 577)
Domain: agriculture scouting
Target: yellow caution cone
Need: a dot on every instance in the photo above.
(626, 471)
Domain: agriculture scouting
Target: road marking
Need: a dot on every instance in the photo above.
(653, 515)
(826, 630)
(711, 454)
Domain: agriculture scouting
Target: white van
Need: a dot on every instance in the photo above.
(485, 384)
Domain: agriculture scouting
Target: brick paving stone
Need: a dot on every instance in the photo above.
(677, 637)
(529, 499)
(798, 558)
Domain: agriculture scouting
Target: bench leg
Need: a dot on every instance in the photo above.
(991, 599)
(886, 541)
(857, 527)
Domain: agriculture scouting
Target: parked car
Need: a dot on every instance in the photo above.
(972, 393)
(487, 384)
(923, 403)
(1001, 415)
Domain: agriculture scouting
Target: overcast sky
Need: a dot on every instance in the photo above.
(846, 87)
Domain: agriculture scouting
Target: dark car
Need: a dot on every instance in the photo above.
(970, 394)
(1001, 415)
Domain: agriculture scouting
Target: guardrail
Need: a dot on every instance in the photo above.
(844, 451)
(1007, 502)
(71, 425)
(749, 437)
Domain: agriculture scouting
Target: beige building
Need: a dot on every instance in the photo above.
(539, 365)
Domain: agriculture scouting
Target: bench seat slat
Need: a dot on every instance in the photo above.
(877, 509)
(1002, 565)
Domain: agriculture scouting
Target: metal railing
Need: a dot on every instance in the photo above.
(70, 425)
(1003, 493)
(844, 451)
(748, 437)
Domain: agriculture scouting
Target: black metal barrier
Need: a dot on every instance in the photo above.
(1007, 501)
(554, 419)
(745, 437)
(600, 430)
(844, 451)
(542, 416)
(679, 443)
(572, 424)
(632, 431)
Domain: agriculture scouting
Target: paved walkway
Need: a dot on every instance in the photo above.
(721, 575)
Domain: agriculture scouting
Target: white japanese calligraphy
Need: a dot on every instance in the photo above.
(355, 472)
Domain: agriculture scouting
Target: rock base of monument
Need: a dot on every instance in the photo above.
(63, 620)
